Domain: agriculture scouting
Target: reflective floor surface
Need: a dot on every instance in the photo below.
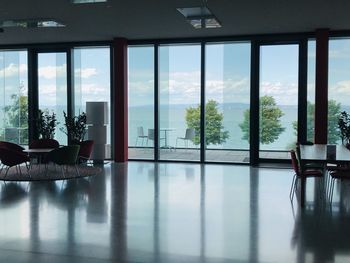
(172, 212)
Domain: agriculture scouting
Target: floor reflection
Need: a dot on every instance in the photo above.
(159, 212)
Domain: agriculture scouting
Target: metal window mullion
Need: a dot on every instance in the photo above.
(202, 105)
(156, 102)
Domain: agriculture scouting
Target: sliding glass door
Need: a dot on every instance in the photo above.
(179, 102)
(14, 96)
(52, 88)
(278, 100)
(227, 95)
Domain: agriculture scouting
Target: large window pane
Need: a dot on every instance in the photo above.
(92, 81)
(179, 102)
(311, 71)
(13, 97)
(141, 102)
(278, 100)
(339, 85)
(52, 79)
(227, 96)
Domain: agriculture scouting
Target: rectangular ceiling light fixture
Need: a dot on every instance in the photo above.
(87, 1)
(200, 17)
(31, 23)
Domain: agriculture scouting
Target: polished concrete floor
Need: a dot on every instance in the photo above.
(172, 212)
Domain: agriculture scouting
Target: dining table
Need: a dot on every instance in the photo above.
(322, 153)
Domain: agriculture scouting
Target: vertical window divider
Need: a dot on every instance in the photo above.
(302, 92)
(70, 85)
(156, 102)
(33, 96)
(202, 105)
(254, 104)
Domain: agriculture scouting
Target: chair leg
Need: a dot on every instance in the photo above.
(7, 170)
(331, 190)
(292, 187)
(77, 170)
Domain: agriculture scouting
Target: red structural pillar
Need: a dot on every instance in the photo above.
(120, 99)
(321, 89)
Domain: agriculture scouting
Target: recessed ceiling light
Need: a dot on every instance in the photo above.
(31, 23)
(87, 1)
(200, 17)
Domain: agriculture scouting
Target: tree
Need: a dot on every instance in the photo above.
(333, 117)
(214, 130)
(270, 121)
(16, 116)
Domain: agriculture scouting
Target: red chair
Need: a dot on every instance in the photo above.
(11, 146)
(337, 173)
(44, 143)
(300, 172)
(85, 151)
(12, 158)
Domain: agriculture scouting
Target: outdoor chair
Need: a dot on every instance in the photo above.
(300, 172)
(64, 157)
(140, 135)
(11, 158)
(150, 136)
(189, 136)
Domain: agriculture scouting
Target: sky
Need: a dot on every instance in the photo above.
(227, 73)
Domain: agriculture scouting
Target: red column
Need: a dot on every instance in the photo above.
(120, 99)
(321, 89)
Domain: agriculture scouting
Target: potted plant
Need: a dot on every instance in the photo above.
(344, 127)
(74, 127)
(46, 124)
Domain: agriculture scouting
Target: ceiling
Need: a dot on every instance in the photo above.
(155, 19)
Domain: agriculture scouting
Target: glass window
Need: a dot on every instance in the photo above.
(278, 100)
(311, 71)
(13, 97)
(52, 80)
(338, 85)
(141, 102)
(227, 93)
(179, 102)
(92, 81)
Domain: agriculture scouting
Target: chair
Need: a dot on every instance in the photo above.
(150, 136)
(85, 151)
(141, 135)
(307, 165)
(189, 136)
(11, 146)
(44, 143)
(337, 173)
(300, 172)
(65, 156)
(11, 158)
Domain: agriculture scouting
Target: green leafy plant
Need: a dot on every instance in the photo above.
(270, 121)
(344, 127)
(46, 124)
(74, 127)
(214, 130)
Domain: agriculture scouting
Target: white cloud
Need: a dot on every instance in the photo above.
(13, 70)
(86, 72)
(51, 72)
